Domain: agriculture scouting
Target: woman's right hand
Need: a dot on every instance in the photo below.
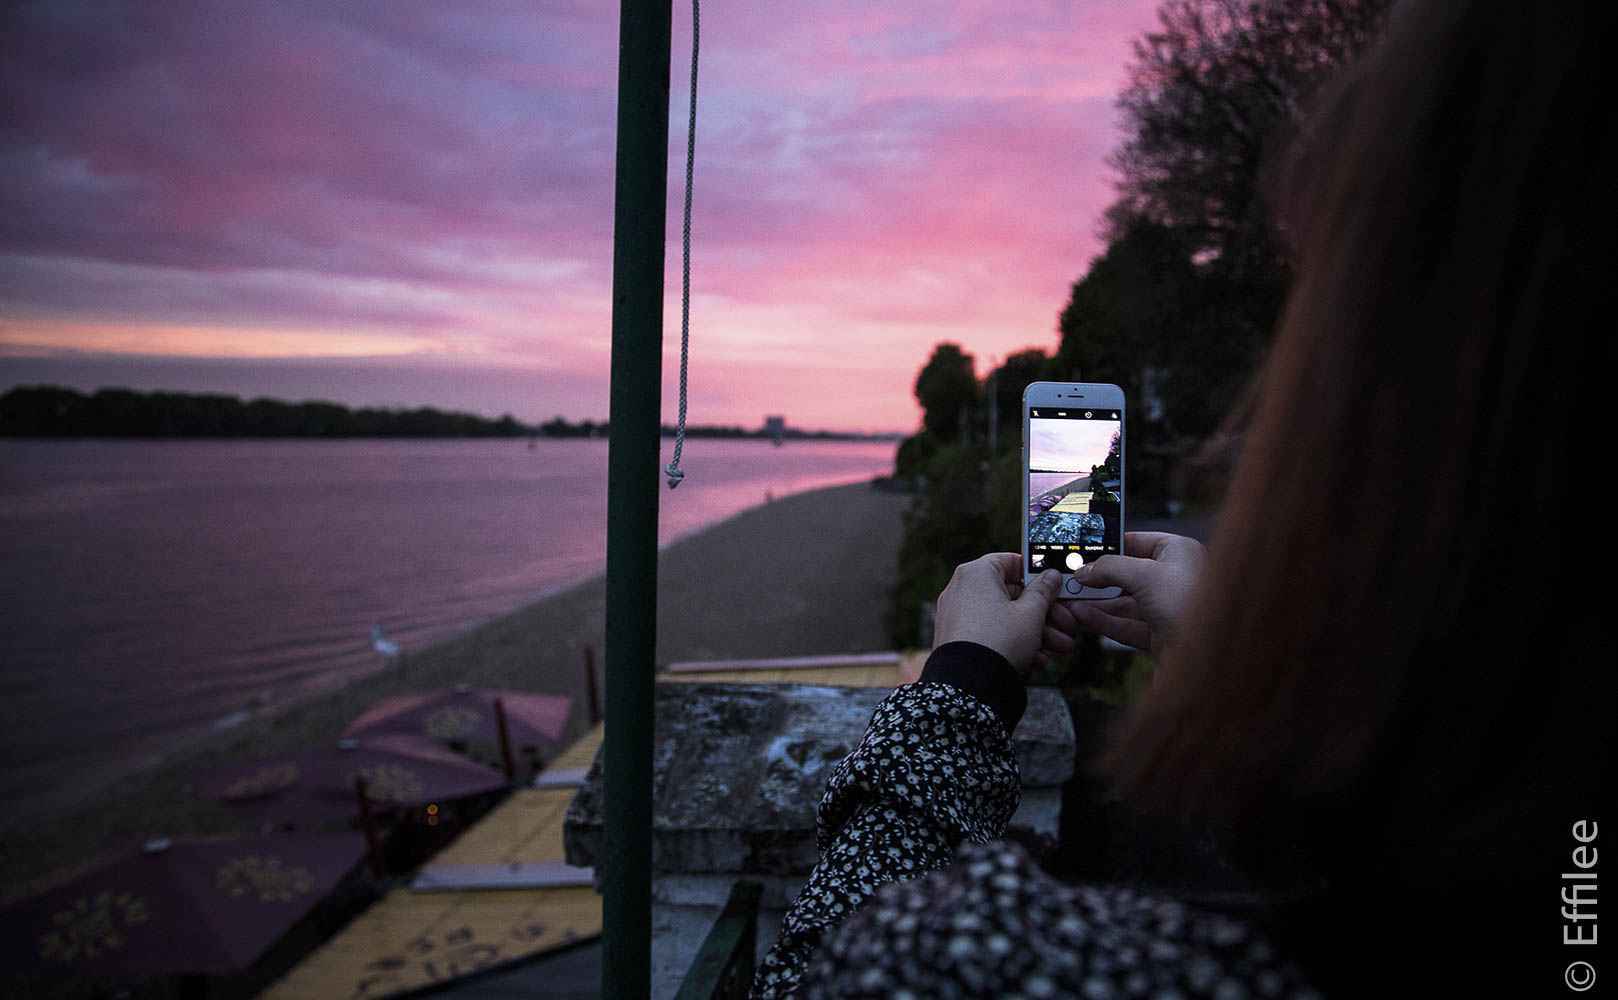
(1157, 573)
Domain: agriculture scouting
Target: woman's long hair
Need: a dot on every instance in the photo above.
(1398, 618)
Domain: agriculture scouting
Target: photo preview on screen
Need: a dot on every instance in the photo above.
(1074, 483)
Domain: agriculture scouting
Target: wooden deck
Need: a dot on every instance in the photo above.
(582, 753)
(410, 940)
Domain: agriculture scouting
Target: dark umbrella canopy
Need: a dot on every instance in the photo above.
(318, 786)
(467, 717)
(195, 907)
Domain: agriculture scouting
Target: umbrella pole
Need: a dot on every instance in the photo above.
(505, 740)
(591, 694)
(639, 217)
(373, 841)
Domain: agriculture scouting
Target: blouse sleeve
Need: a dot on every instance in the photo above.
(995, 925)
(934, 769)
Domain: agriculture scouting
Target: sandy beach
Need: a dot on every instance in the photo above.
(808, 573)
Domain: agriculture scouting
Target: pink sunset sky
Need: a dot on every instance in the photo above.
(411, 203)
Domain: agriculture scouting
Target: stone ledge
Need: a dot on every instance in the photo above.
(740, 768)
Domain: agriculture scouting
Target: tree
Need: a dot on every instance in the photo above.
(947, 389)
(914, 453)
(1180, 307)
(1008, 382)
(1106, 472)
(1138, 314)
(1129, 311)
(1211, 95)
(1214, 95)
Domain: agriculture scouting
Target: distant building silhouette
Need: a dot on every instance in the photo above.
(775, 427)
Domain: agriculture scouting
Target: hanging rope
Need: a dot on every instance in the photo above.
(675, 473)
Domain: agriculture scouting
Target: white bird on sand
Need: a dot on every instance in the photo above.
(387, 647)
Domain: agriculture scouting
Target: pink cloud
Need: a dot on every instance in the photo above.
(869, 181)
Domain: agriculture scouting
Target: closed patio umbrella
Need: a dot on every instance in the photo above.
(467, 718)
(318, 786)
(208, 907)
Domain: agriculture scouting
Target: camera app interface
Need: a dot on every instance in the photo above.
(1074, 483)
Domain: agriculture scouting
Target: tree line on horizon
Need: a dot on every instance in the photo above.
(1177, 309)
(51, 411)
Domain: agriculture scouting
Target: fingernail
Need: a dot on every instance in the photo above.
(1050, 576)
(1081, 572)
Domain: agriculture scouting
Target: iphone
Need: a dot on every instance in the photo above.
(1073, 480)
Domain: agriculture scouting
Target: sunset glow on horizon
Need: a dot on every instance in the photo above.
(411, 204)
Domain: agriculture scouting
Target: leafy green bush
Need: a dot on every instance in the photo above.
(915, 452)
(946, 525)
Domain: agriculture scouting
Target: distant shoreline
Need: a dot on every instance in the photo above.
(53, 412)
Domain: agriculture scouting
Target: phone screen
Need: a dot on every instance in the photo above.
(1075, 486)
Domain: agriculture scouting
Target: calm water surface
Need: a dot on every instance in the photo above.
(1041, 483)
(152, 588)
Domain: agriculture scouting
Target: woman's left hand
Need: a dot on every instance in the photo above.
(986, 603)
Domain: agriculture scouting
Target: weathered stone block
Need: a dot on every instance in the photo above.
(740, 768)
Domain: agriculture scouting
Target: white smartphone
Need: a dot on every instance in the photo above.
(1073, 480)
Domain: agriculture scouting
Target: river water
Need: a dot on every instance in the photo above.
(152, 588)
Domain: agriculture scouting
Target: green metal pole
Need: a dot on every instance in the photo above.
(633, 481)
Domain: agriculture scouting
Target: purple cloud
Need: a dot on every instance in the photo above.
(439, 177)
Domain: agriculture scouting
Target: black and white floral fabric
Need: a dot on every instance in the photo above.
(916, 896)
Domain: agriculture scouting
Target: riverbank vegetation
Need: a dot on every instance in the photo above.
(52, 411)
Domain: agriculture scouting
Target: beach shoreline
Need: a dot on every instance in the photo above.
(805, 573)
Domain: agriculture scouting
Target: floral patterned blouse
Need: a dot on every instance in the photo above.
(916, 896)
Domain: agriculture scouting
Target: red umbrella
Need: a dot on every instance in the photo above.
(468, 716)
(207, 907)
(318, 786)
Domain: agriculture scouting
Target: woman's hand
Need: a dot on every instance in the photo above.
(1157, 572)
(986, 603)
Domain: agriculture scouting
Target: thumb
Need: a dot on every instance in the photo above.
(1127, 572)
(1039, 594)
